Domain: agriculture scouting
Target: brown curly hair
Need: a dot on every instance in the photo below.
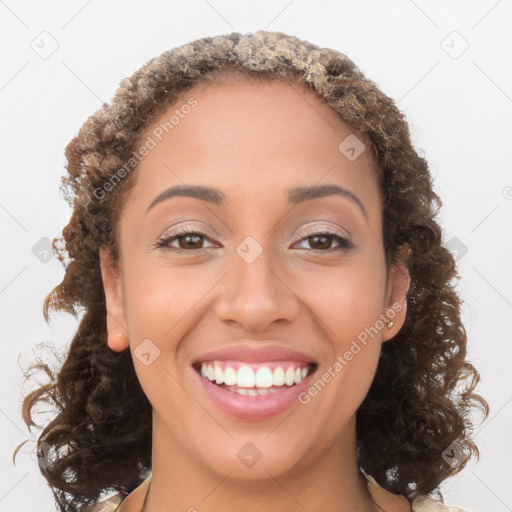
(422, 395)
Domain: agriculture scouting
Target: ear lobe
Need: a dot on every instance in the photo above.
(117, 338)
(396, 304)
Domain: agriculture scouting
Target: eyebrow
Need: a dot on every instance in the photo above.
(301, 194)
(295, 195)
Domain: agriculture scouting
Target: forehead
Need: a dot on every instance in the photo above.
(251, 138)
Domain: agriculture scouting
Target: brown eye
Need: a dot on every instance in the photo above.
(192, 241)
(188, 240)
(323, 241)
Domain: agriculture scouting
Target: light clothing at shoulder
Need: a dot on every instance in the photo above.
(388, 502)
(111, 504)
(426, 504)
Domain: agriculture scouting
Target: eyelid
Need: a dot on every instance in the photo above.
(324, 228)
(343, 239)
(318, 228)
(180, 231)
(185, 230)
(303, 232)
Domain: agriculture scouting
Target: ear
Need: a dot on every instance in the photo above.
(117, 332)
(399, 282)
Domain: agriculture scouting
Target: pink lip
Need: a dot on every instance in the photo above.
(255, 354)
(253, 407)
(259, 407)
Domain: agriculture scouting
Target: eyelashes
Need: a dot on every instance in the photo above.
(165, 241)
(194, 236)
(344, 243)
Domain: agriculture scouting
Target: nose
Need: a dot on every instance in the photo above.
(256, 294)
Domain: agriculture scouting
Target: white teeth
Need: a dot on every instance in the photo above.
(229, 376)
(288, 378)
(278, 377)
(250, 392)
(219, 375)
(264, 379)
(245, 377)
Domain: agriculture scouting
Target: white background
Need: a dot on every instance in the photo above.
(459, 110)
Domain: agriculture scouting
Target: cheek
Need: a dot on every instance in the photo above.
(157, 303)
(347, 303)
(347, 299)
(155, 309)
(158, 299)
(349, 311)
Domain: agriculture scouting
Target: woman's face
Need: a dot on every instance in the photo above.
(258, 280)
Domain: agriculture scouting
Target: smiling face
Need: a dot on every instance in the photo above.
(270, 265)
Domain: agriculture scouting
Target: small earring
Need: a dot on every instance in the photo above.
(117, 343)
(390, 324)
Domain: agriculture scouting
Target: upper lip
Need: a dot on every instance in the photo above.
(254, 354)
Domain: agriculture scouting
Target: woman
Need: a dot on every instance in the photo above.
(269, 313)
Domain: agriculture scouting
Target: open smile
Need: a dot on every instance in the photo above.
(249, 387)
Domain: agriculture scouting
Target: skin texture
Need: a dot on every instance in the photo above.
(253, 142)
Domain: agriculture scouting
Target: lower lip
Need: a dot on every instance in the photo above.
(253, 407)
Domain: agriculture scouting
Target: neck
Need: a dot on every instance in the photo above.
(330, 483)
